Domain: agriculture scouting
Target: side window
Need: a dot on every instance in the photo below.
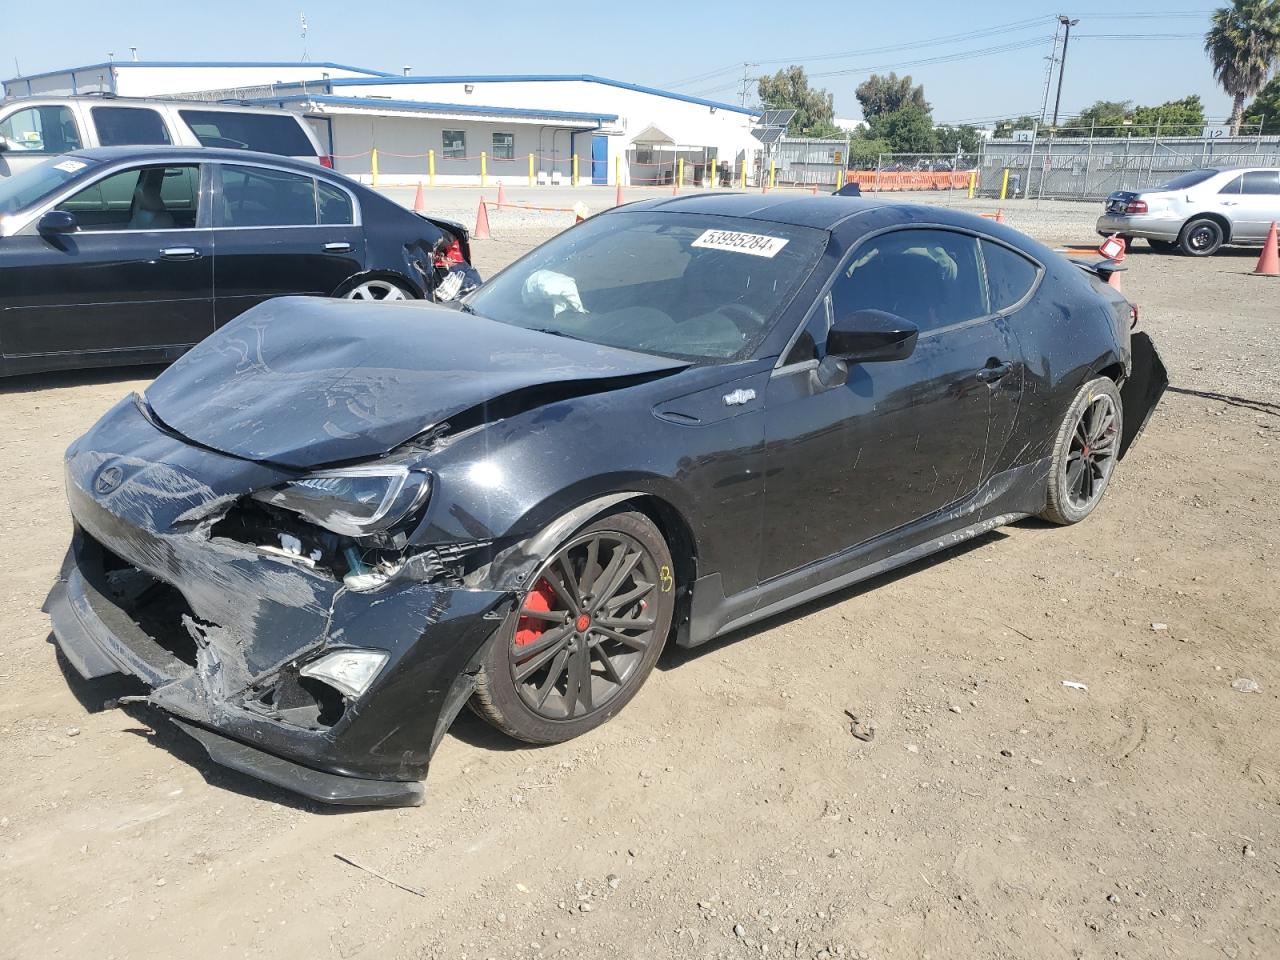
(335, 204)
(1009, 275)
(263, 132)
(1261, 181)
(41, 129)
(454, 143)
(1234, 186)
(930, 277)
(260, 197)
(147, 198)
(121, 126)
(504, 146)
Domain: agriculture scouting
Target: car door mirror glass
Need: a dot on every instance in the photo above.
(871, 336)
(57, 222)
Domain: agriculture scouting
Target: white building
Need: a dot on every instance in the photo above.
(456, 129)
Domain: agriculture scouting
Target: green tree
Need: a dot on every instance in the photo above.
(789, 89)
(880, 95)
(1005, 128)
(864, 151)
(1265, 109)
(947, 138)
(1102, 114)
(909, 129)
(1243, 45)
(1174, 118)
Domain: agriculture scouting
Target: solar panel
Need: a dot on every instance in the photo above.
(777, 118)
(768, 134)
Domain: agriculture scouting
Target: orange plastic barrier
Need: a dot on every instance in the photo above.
(909, 179)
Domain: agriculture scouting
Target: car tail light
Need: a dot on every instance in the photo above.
(326, 161)
(451, 254)
(1136, 206)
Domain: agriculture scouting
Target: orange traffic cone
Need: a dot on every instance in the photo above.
(1269, 262)
(502, 195)
(814, 191)
(419, 201)
(1000, 215)
(481, 232)
(675, 191)
(618, 201)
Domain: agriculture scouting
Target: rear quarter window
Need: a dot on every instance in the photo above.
(124, 126)
(1010, 276)
(263, 132)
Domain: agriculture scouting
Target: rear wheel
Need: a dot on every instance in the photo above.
(584, 637)
(1201, 237)
(1085, 452)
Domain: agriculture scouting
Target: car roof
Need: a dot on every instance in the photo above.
(145, 153)
(114, 99)
(824, 212)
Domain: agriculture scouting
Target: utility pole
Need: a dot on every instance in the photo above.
(746, 81)
(1052, 59)
(1067, 24)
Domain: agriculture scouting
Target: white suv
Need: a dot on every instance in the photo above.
(33, 129)
(1199, 211)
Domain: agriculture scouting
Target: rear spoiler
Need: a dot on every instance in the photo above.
(1102, 269)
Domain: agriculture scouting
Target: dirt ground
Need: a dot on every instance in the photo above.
(728, 812)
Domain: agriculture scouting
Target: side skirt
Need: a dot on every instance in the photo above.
(1004, 498)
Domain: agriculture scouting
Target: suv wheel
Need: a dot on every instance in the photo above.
(1201, 237)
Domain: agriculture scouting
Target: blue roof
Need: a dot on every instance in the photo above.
(320, 65)
(535, 77)
(375, 102)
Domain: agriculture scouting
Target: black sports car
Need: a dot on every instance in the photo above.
(132, 254)
(331, 525)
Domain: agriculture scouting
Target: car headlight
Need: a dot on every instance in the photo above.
(355, 501)
(348, 671)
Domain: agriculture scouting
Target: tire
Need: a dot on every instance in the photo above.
(1201, 237)
(1163, 246)
(1090, 434)
(528, 685)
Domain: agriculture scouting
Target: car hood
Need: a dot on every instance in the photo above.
(302, 381)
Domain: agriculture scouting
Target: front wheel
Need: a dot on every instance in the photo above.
(1084, 452)
(584, 637)
(1201, 238)
(378, 290)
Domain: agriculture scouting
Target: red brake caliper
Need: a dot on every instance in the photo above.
(540, 598)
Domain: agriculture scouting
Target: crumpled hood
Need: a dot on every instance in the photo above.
(302, 381)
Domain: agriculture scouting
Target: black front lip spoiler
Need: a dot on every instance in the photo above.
(93, 651)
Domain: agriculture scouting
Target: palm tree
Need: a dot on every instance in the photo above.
(1244, 45)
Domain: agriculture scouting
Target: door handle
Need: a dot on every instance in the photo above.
(340, 247)
(992, 374)
(180, 253)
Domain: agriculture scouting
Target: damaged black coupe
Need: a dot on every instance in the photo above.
(331, 525)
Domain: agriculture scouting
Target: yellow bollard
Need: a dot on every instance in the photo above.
(1004, 184)
(773, 174)
(373, 163)
(973, 182)
(680, 173)
(744, 174)
(484, 168)
(575, 169)
(531, 169)
(431, 167)
(617, 170)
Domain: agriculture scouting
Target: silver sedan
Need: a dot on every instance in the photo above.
(1198, 212)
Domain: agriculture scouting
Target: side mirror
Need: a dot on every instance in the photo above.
(865, 336)
(58, 222)
(5, 144)
(871, 336)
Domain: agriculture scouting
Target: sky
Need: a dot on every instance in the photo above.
(987, 59)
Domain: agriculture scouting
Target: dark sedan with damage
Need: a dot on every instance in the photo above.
(331, 525)
(132, 254)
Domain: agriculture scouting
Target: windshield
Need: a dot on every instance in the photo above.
(29, 187)
(1188, 180)
(678, 285)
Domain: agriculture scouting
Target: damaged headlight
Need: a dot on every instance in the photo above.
(355, 501)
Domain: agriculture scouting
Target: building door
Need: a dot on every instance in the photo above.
(599, 159)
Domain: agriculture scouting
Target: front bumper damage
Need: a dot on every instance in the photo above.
(218, 630)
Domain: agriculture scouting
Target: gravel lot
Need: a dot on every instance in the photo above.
(728, 812)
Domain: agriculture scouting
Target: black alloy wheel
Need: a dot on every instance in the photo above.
(1085, 452)
(585, 635)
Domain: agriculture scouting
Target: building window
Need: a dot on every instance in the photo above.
(504, 146)
(455, 144)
